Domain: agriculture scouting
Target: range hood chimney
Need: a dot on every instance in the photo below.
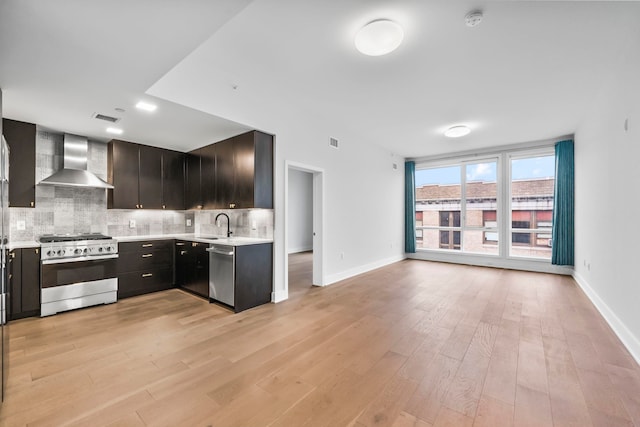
(74, 172)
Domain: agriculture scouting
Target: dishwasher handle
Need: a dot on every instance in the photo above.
(220, 251)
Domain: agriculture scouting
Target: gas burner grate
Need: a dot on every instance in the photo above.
(55, 238)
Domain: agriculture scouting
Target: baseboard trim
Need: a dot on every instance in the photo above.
(300, 249)
(629, 340)
(337, 277)
(490, 261)
(279, 296)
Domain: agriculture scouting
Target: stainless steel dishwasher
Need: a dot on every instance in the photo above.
(221, 273)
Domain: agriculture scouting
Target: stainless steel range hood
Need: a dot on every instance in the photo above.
(74, 172)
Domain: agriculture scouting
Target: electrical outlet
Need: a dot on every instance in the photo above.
(188, 222)
(254, 226)
(21, 225)
(132, 223)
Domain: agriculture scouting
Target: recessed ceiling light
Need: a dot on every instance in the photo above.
(146, 106)
(379, 37)
(115, 131)
(457, 131)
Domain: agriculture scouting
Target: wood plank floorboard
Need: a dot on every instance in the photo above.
(414, 343)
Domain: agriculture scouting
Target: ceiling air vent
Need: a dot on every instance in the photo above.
(105, 118)
(333, 142)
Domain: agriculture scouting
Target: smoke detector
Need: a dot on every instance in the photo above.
(473, 18)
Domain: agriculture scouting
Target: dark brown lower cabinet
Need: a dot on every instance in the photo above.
(144, 267)
(192, 267)
(24, 283)
(253, 275)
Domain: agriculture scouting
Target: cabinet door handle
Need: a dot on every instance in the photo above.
(147, 275)
(140, 206)
(179, 244)
(232, 205)
(13, 254)
(164, 207)
(137, 206)
(147, 255)
(32, 203)
(147, 245)
(183, 252)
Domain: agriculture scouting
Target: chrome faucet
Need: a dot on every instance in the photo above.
(229, 233)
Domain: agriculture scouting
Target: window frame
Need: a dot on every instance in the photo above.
(462, 164)
(503, 159)
(534, 230)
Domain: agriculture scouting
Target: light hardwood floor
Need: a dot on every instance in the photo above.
(412, 344)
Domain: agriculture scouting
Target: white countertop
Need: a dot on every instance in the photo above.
(23, 244)
(232, 241)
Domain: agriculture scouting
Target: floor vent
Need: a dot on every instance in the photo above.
(333, 142)
(105, 118)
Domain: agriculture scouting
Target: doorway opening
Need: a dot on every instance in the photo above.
(303, 228)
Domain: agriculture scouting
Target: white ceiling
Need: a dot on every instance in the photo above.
(527, 72)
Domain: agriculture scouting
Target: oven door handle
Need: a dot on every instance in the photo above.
(77, 259)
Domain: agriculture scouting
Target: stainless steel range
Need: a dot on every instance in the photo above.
(77, 270)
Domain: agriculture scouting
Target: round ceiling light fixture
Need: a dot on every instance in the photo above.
(457, 131)
(473, 18)
(379, 37)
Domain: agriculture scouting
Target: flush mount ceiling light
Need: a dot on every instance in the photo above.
(457, 131)
(114, 131)
(146, 106)
(379, 37)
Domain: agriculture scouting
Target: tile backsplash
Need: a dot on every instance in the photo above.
(243, 222)
(63, 210)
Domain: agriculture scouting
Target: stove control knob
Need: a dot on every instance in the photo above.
(77, 251)
(60, 252)
(107, 248)
(100, 249)
(84, 251)
(51, 252)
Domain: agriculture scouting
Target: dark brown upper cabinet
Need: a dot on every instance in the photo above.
(225, 172)
(172, 180)
(21, 138)
(138, 174)
(244, 171)
(193, 185)
(200, 184)
(208, 173)
(150, 177)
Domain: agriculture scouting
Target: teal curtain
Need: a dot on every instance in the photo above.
(410, 207)
(562, 249)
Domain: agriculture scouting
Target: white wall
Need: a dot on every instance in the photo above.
(363, 193)
(607, 203)
(300, 211)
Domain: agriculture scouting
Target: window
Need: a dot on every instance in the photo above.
(438, 207)
(460, 207)
(481, 195)
(489, 219)
(450, 205)
(531, 186)
(450, 239)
